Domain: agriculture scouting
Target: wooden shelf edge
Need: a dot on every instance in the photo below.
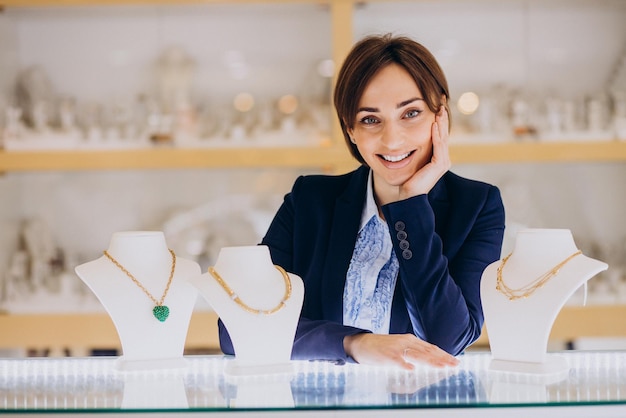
(93, 330)
(171, 158)
(74, 3)
(529, 152)
(296, 157)
(574, 322)
(97, 329)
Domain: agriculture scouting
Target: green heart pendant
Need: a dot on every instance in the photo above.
(161, 312)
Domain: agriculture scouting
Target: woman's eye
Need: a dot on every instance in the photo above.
(412, 113)
(369, 120)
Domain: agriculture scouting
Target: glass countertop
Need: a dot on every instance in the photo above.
(95, 384)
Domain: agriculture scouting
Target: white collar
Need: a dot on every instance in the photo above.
(370, 209)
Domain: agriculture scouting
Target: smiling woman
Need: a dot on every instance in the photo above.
(391, 254)
(393, 130)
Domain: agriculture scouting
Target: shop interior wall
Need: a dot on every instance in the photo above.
(107, 60)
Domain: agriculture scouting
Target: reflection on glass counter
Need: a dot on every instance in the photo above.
(87, 384)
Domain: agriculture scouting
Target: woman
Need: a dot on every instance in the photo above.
(391, 254)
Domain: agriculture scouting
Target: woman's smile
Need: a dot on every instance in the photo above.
(395, 158)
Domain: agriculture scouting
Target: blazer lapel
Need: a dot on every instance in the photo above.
(346, 221)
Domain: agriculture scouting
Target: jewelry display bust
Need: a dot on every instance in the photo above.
(523, 294)
(259, 305)
(135, 280)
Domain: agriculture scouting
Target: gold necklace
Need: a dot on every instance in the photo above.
(530, 288)
(160, 311)
(243, 305)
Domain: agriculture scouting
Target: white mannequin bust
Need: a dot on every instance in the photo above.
(147, 343)
(262, 343)
(519, 329)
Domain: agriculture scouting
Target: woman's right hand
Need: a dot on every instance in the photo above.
(403, 350)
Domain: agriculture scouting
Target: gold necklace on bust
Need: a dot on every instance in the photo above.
(160, 311)
(530, 288)
(243, 305)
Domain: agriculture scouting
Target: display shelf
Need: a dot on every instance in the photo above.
(163, 158)
(580, 321)
(58, 332)
(96, 330)
(45, 3)
(334, 158)
(534, 151)
(296, 157)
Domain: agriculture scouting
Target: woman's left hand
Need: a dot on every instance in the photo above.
(403, 350)
(426, 177)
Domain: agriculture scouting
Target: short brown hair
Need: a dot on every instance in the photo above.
(370, 55)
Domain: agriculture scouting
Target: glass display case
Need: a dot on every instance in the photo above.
(595, 386)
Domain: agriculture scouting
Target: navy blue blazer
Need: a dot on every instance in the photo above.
(443, 242)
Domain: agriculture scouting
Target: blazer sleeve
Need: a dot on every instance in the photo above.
(314, 340)
(441, 286)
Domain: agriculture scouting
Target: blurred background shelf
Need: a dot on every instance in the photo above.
(79, 334)
(575, 323)
(82, 333)
(294, 157)
(161, 158)
(530, 152)
(104, 53)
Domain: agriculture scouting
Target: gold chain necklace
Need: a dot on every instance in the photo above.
(243, 305)
(160, 311)
(530, 288)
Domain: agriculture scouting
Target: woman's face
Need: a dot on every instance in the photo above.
(393, 126)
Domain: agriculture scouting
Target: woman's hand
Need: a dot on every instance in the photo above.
(426, 177)
(403, 350)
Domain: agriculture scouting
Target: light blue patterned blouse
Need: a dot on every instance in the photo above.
(372, 274)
